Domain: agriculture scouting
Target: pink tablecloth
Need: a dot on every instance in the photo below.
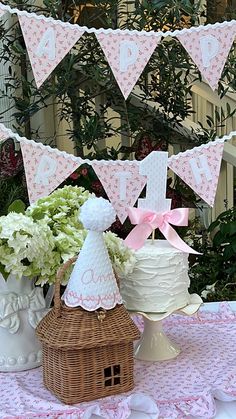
(175, 389)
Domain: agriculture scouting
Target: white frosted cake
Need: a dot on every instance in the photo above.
(159, 281)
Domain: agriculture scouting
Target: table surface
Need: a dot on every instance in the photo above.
(225, 410)
(223, 322)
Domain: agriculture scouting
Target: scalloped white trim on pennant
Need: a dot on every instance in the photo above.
(101, 164)
(136, 32)
(209, 50)
(45, 169)
(202, 146)
(122, 183)
(207, 45)
(200, 169)
(47, 43)
(127, 55)
(10, 134)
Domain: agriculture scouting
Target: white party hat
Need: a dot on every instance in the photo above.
(92, 284)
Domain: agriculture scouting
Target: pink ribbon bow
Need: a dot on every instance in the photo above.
(147, 221)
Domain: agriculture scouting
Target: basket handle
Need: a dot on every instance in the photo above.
(60, 273)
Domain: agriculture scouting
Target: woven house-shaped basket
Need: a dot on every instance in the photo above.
(86, 355)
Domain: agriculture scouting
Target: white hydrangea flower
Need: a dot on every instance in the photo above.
(50, 233)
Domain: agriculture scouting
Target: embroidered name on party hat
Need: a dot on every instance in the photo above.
(92, 284)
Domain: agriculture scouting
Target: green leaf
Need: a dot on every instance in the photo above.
(213, 226)
(218, 239)
(17, 206)
(228, 252)
(225, 228)
(232, 228)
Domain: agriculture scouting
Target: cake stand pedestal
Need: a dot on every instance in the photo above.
(154, 345)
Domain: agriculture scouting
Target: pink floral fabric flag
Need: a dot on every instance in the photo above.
(199, 168)
(122, 183)
(127, 55)
(45, 168)
(209, 49)
(47, 43)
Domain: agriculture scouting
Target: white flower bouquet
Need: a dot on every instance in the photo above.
(60, 212)
(26, 247)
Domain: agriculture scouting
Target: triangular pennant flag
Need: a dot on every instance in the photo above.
(199, 168)
(47, 43)
(45, 168)
(122, 183)
(209, 49)
(127, 55)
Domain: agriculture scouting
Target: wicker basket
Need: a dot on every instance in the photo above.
(86, 355)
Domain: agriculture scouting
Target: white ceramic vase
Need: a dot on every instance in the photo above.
(22, 306)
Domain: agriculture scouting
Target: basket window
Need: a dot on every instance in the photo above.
(112, 376)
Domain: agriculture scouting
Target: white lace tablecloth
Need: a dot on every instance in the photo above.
(185, 387)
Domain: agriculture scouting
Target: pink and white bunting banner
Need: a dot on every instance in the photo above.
(122, 182)
(209, 49)
(127, 56)
(47, 43)
(45, 168)
(199, 168)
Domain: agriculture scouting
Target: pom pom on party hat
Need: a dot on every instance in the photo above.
(92, 284)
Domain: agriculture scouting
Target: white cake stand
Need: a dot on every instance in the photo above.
(154, 345)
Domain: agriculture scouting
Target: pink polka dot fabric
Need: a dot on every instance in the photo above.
(175, 389)
(191, 42)
(33, 30)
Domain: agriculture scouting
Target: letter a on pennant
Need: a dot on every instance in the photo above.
(47, 43)
(45, 168)
(209, 49)
(127, 56)
(199, 168)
